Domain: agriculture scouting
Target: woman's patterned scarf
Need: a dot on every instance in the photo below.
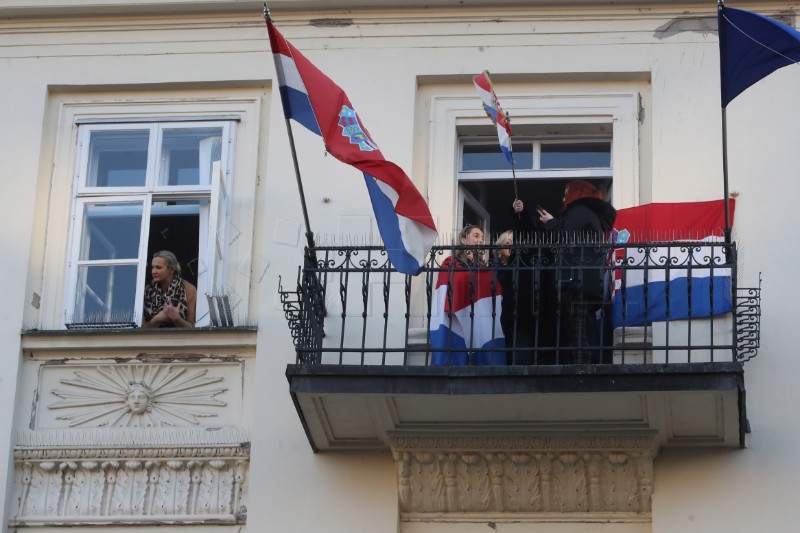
(155, 299)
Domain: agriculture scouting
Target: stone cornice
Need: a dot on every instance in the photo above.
(139, 438)
(641, 441)
(241, 341)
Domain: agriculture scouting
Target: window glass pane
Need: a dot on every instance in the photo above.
(578, 155)
(187, 155)
(490, 157)
(105, 294)
(111, 231)
(117, 158)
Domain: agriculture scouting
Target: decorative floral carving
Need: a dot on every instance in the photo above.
(138, 395)
(168, 489)
(580, 480)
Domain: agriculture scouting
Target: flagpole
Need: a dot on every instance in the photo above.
(727, 230)
(309, 233)
(513, 166)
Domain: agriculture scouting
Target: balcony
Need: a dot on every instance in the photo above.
(659, 353)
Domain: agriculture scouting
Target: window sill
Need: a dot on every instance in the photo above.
(242, 340)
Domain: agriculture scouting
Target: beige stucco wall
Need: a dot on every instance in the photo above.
(389, 62)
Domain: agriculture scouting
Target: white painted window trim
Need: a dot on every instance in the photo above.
(448, 113)
(150, 192)
(72, 110)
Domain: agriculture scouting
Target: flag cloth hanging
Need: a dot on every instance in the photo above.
(492, 107)
(698, 280)
(465, 317)
(312, 99)
(752, 47)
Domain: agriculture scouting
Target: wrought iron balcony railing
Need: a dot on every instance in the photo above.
(577, 302)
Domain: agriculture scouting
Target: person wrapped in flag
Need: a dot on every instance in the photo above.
(465, 326)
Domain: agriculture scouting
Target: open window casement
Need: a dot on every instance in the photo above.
(110, 236)
(217, 300)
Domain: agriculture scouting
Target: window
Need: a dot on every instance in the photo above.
(542, 166)
(561, 131)
(141, 188)
(535, 155)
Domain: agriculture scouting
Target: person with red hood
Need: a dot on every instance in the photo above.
(585, 220)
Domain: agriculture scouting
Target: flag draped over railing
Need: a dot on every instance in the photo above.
(664, 277)
(492, 107)
(316, 102)
(751, 48)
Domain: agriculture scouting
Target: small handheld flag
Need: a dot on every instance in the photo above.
(499, 117)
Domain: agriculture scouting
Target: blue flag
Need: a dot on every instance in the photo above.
(751, 47)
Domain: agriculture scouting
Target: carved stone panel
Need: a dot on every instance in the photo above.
(139, 395)
(513, 474)
(154, 485)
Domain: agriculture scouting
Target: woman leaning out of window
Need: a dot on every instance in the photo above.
(169, 300)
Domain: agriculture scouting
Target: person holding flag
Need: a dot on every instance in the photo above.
(585, 219)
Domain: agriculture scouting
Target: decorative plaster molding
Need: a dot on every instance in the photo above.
(524, 474)
(131, 438)
(58, 486)
(138, 395)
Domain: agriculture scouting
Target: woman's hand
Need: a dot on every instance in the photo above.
(171, 312)
(518, 206)
(544, 216)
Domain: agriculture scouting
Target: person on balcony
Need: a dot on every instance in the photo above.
(169, 300)
(585, 219)
(515, 271)
(465, 324)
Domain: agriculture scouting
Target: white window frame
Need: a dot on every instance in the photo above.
(217, 192)
(536, 172)
(449, 113)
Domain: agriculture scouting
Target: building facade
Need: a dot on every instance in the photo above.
(141, 126)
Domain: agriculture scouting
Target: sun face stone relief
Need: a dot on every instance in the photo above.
(139, 395)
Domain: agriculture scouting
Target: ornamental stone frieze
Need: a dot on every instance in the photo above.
(172, 476)
(532, 475)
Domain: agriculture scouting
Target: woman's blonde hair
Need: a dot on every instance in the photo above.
(172, 260)
(503, 238)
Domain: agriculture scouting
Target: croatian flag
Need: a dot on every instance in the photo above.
(467, 319)
(316, 102)
(698, 280)
(492, 107)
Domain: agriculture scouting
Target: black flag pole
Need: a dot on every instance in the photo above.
(727, 230)
(309, 233)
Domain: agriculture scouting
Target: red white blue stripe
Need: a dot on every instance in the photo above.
(698, 284)
(465, 325)
(316, 102)
(499, 117)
